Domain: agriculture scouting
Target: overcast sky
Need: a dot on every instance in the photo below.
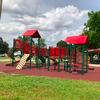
(55, 19)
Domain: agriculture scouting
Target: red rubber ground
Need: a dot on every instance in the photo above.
(92, 75)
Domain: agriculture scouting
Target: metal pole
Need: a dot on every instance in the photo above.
(83, 59)
(70, 51)
(1, 1)
(48, 63)
(86, 59)
(30, 52)
(13, 52)
(59, 57)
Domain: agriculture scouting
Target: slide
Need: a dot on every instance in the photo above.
(22, 61)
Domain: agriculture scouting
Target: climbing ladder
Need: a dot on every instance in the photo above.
(22, 61)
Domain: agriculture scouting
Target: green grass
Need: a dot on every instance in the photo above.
(17, 87)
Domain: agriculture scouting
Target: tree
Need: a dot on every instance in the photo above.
(1, 40)
(61, 43)
(41, 43)
(92, 29)
(25, 39)
(4, 47)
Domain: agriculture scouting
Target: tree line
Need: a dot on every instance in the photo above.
(4, 46)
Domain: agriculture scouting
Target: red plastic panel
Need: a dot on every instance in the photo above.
(56, 51)
(36, 51)
(62, 52)
(17, 43)
(52, 51)
(26, 48)
(66, 51)
(33, 50)
(43, 51)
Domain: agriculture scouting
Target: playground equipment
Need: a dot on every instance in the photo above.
(78, 59)
(28, 50)
(70, 56)
(17, 46)
(57, 53)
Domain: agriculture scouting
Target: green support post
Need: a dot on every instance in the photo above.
(39, 43)
(36, 59)
(70, 51)
(86, 59)
(54, 63)
(48, 62)
(83, 59)
(45, 57)
(75, 54)
(13, 59)
(30, 52)
(37, 56)
(23, 45)
(38, 51)
(59, 61)
(65, 58)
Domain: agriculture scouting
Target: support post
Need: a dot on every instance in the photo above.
(70, 51)
(83, 59)
(59, 57)
(48, 62)
(13, 59)
(86, 59)
(23, 46)
(30, 52)
(38, 53)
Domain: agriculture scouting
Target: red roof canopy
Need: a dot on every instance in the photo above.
(78, 40)
(32, 33)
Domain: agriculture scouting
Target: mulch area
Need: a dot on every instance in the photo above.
(92, 75)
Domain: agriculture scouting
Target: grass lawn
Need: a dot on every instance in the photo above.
(18, 87)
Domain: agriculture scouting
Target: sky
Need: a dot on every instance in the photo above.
(54, 19)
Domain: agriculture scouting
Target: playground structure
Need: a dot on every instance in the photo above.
(69, 56)
(77, 58)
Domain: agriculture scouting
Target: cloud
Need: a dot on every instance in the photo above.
(60, 18)
(54, 25)
(11, 30)
(59, 23)
(11, 27)
(25, 7)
